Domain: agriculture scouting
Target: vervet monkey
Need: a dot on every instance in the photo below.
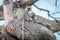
(22, 15)
(32, 16)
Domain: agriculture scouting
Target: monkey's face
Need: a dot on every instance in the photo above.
(28, 8)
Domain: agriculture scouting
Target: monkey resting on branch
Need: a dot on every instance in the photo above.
(32, 31)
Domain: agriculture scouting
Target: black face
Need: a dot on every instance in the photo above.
(29, 9)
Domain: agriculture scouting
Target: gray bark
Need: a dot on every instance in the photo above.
(32, 31)
(54, 26)
(50, 24)
(8, 11)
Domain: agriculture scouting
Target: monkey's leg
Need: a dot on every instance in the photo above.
(22, 29)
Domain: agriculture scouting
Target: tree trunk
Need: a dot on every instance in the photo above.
(54, 26)
(32, 31)
(9, 18)
(50, 24)
(8, 11)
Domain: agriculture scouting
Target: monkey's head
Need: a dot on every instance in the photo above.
(28, 8)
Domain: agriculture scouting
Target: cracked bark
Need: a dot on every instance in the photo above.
(32, 31)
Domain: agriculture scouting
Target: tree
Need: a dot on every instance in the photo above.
(32, 31)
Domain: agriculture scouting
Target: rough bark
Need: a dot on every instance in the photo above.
(8, 11)
(50, 24)
(54, 26)
(32, 31)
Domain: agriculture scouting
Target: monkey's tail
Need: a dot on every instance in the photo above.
(22, 29)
